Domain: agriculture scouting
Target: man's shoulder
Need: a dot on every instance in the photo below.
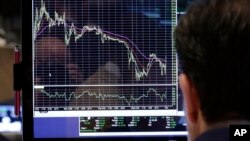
(218, 134)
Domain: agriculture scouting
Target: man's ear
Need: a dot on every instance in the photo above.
(191, 100)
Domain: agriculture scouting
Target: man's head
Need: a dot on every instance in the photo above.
(213, 43)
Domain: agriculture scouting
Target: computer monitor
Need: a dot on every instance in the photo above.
(105, 68)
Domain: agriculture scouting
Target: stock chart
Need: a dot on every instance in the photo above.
(104, 55)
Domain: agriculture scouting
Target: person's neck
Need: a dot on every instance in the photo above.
(204, 126)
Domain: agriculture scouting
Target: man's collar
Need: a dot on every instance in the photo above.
(219, 131)
(217, 134)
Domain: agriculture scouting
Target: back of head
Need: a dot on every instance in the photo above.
(213, 41)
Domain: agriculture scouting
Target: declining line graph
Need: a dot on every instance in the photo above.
(72, 30)
(120, 68)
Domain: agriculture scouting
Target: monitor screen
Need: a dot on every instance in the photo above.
(105, 68)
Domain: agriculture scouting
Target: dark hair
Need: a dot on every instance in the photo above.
(213, 45)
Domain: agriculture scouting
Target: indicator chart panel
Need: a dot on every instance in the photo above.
(135, 97)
